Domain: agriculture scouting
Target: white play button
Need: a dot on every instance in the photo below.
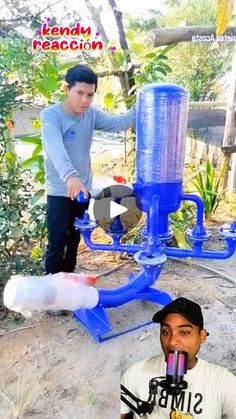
(116, 209)
(104, 210)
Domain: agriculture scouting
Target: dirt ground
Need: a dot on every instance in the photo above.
(53, 369)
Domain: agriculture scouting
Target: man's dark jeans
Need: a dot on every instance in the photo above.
(63, 239)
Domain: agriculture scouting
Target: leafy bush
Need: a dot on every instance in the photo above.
(209, 186)
(181, 221)
(22, 220)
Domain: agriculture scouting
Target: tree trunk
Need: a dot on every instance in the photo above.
(124, 45)
(229, 138)
(168, 36)
(95, 15)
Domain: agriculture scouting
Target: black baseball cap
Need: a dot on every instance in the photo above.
(190, 310)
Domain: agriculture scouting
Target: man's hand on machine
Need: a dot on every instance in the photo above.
(75, 186)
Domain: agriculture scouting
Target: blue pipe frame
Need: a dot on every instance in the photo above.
(151, 255)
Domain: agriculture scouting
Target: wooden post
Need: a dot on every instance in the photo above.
(229, 123)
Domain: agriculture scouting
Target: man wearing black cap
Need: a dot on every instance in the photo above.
(211, 392)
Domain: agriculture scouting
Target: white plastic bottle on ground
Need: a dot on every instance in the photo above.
(61, 291)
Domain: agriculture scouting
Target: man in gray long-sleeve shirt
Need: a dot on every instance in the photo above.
(67, 130)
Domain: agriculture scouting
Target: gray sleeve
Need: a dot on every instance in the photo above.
(53, 145)
(114, 123)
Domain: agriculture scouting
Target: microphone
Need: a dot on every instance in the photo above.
(173, 384)
(175, 370)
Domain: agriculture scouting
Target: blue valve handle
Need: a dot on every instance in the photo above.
(81, 197)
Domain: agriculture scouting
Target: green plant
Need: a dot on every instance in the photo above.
(198, 66)
(22, 220)
(181, 220)
(36, 160)
(208, 184)
(22, 215)
(46, 82)
(154, 69)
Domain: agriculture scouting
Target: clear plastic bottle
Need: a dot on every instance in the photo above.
(162, 115)
(61, 291)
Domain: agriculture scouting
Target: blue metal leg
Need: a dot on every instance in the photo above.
(154, 295)
(139, 287)
(98, 324)
(95, 321)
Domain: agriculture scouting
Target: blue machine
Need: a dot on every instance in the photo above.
(162, 113)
